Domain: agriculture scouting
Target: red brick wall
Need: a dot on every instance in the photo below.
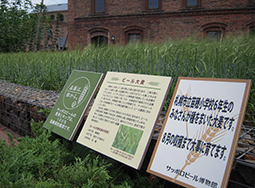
(63, 26)
(173, 21)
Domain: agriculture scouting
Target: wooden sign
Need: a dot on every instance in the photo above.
(122, 118)
(197, 143)
(68, 112)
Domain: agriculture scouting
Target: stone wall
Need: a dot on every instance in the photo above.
(20, 104)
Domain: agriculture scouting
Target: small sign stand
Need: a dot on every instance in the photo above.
(122, 118)
(69, 110)
(197, 142)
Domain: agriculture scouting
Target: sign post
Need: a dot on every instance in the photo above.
(122, 118)
(197, 143)
(68, 112)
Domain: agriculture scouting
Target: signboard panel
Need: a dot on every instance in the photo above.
(122, 118)
(68, 112)
(197, 143)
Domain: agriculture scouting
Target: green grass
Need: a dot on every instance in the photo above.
(232, 58)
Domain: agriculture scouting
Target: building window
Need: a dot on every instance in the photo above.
(99, 37)
(134, 37)
(214, 31)
(214, 35)
(49, 47)
(133, 34)
(251, 28)
(50, 33)
(153, 4)
(99, 41)
(191, 3)
(253, 32)
(99, 5)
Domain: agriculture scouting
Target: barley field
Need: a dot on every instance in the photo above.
(233, 57)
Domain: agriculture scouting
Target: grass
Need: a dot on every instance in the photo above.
(232, 58)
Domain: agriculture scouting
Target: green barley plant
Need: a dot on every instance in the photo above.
(234, 57)
(127, 139)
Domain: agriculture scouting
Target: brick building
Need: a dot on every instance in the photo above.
(119, 21)
(57, 11)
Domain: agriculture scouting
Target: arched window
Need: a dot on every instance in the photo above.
(99, 40)
(214, 31)
(133, 34)
(98, 37)
(251, 26)
(252, 31)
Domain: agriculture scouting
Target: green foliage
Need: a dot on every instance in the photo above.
(32, 158)
(84, 173)
(18, 26)
(40, 162)
(53, 162)
(37, 127)
(15, 24)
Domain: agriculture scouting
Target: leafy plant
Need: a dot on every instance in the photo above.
(37, 127)
(14, 27)
(84, 173)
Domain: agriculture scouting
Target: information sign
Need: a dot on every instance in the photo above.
(68, 112)
(197, 143)
(122, 118)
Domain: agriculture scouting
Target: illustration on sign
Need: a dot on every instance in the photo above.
(127, 139)
(197, 142)
(69, 110)
(76, 93)
(122, 118)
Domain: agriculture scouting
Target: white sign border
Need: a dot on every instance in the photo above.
(237, 131)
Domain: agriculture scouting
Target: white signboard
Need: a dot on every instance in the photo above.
(198, 140)
(122, 118)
